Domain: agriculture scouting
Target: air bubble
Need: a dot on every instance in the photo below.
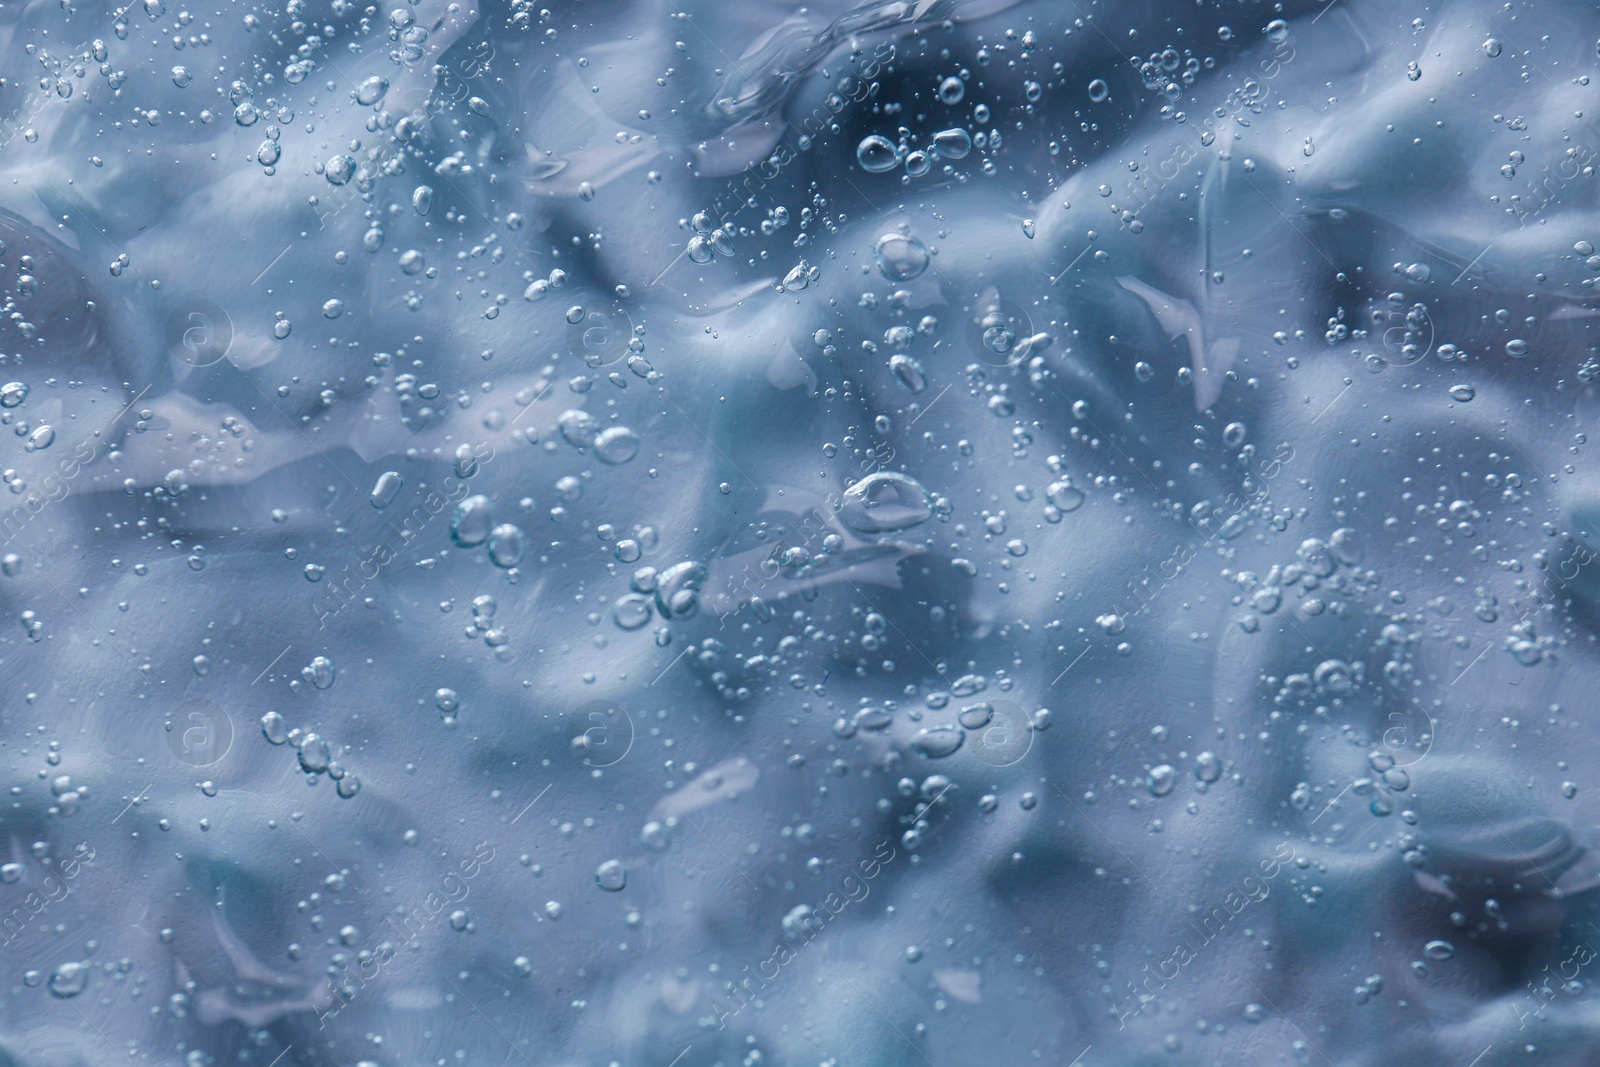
(876, 154)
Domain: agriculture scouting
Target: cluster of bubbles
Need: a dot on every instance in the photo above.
(315, 755)
(709, 240)
(474, 524)
(877, 154)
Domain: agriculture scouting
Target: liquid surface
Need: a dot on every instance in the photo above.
(922, 533)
